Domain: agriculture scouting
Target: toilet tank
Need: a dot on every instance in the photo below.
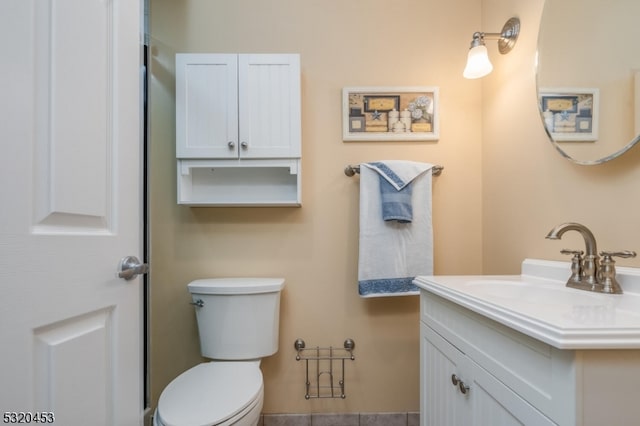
(238, 318)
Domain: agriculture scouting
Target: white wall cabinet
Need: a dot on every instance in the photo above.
(514, 379)
(232, 112)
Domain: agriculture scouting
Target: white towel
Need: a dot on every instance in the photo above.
(392, 254)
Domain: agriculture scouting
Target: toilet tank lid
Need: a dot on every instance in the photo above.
(236, 285)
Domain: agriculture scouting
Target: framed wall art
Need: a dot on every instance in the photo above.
(390, 113)
(570, 114)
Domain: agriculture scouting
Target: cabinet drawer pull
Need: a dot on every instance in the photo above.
(463, 387)
(231, 144)
(244, 145)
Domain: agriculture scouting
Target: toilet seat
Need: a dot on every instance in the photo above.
(210, 393)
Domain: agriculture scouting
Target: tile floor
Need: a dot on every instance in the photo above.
(349, 419)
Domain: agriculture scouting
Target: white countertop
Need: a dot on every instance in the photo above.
(538, 304)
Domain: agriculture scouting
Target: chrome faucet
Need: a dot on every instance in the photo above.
(588, 273)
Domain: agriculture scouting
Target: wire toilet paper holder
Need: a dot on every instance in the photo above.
(325, 371)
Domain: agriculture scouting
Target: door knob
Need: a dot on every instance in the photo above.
(129, 267)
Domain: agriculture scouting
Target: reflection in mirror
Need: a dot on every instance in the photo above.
(589, 77)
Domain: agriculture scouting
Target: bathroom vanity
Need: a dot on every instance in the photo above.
(524, 349)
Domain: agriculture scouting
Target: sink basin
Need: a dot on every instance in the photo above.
(538, 303)
(532, 292)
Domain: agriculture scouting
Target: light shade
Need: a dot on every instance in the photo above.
(478, 63)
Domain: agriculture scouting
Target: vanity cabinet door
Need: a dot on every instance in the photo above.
(454, 390)
(441, 401)
(495, 404)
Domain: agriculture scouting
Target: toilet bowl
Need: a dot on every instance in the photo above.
(213, 393)
(238, 322)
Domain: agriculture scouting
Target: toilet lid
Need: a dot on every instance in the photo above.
(209, 393)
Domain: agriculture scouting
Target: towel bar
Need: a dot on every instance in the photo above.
(352, 170)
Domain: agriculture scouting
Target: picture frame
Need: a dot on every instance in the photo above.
(394, 113)
(570, 114)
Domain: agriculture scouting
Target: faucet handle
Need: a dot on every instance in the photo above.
(607, 273)
(573, 252)
(624, 254)
(576, 264)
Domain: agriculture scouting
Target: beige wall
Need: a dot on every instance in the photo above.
(502, 189)
(527, 186)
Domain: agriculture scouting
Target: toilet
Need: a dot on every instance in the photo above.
(238, 322)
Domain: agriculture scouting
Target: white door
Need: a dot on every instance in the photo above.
(70, 207)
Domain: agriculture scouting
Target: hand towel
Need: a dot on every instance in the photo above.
(392, 254)
(396, 204)
(395, 187)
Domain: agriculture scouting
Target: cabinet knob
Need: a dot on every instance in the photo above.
(244, 145)
(464, 388)
(231, 144)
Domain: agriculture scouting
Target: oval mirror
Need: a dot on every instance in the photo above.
(588, 77)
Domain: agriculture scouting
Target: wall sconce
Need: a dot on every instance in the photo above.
(478, 63)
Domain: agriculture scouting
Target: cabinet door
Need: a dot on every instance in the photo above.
(486, 401)
(269, 97)
(207, 105)
(495, 404)
(441, 402)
